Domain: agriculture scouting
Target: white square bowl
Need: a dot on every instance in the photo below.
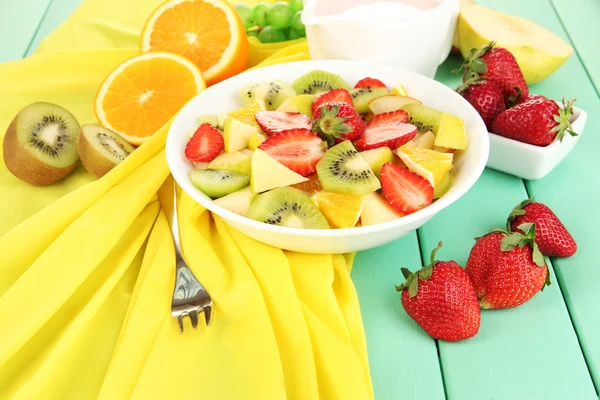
(533, 162)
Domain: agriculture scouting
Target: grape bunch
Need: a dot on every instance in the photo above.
(273, 23)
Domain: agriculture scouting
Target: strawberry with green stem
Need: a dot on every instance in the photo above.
(336, 121)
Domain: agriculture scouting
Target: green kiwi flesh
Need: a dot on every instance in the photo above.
(273, 93)
(361, 97)
(40, 145)
(343, 170)
(287, 207)
(318, 81)
(423, 117)
(210, 119)
(217, 183)
(101, 149)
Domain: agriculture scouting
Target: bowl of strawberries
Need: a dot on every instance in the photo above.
(327, 156)
(529, 134)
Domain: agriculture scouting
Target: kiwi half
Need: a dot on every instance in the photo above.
(361, 97)
(423, 117)
(101, 149)
(40, 145)
(217, 183)
(273, 93)
(343, 170)
(318, 81)
(287, 207)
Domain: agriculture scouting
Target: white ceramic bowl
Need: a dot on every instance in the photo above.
(223, 97)
(533, 162)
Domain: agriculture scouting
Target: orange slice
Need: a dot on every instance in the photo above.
(207, 32)
(145, 92)
(246, 113)
(341, 210)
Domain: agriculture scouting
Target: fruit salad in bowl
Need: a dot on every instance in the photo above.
(327, 156)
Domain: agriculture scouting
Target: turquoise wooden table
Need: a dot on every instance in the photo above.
(547, 349)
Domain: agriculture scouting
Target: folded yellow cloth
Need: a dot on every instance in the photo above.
(87, 266)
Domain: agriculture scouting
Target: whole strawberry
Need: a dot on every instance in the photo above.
(498, 65)
(538, 121)
(336, 122)
(552, 237)
(485, 96)
(441, 299)
(507, 268)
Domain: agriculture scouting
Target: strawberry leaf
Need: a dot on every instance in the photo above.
(516, 211)
(413, 285)
(509, 241)
(538, 257)
(563, 120)
(406, 272)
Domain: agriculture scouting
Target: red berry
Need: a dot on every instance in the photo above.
(406, 191)
(205, 144)
(335, 95)
(298, 149)
(369, 82)
(387, 129)
(274, 122)
(486, 97)
(336, 122)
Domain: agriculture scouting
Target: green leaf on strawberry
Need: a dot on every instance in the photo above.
(412, 278)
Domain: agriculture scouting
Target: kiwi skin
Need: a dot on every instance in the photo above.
(93, 161)
(25, 166)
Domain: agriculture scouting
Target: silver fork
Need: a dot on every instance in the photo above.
(189, 296)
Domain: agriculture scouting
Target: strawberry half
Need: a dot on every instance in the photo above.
(387, 129)
(406, 191)
(336, 122)
(372, 82)
(205, 144)
(298, 149)
(274, 122)
(335, 95)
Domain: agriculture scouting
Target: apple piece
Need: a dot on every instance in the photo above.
(301, 103)
(377, 157)
(247, 152)
(425, 140)
(442, 187)
(238, 202)
(538, 51)
(377, 210)
(389, 103)
(256, 140)
(235, 162)
(399, 90)
(451, 132)
(268, 173)
(236, 134)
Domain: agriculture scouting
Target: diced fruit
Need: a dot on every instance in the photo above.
(451, 133)
(377, 157)
(299, 150)
(399, 90)
(246, 113)
(267, 173)
(255, 140)
(287, 207)
(389, 129)
(361, 97)
(235, 162)
(538, 51)
(273, 93)
(236, 134)
(389, 103)
(377, 210)
(237, 202)
(425, 140)
(443, 186)
(335, 95)
(217, 183)
(273, 122)
(209, 119)
(318, 81)
(406, 191)
(200, 165)
(423, 117)
(205, 144)
(369, 82)
(342, 210)
(311, 186)
(336, 122)
(429, 164)
(247, 152)
(343, 170)
(301, 103)
(221, 120)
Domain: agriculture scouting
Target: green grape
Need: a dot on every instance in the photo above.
(270, 34)
(280, 15)
(260, 13)
(252, 33)
(297, 24)
(296, 5)
(245, 13)
(293, 35)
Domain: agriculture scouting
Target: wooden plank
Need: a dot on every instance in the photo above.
(403, 359)
(57, 13)
(18, 23)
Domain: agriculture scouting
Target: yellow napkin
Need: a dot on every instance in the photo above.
(87, 266)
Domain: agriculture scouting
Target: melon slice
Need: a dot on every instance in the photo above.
(376, 210)
(268, 173)
(238, 202)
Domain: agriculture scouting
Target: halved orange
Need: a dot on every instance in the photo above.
(207, 32)
(145, 92)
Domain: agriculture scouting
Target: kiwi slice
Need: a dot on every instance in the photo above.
(101, 149)
(210, 119)
(273, 93)
(40, 145)
(423, 117)
(217, 183)
(287, 207)
(318, 81)
(343, 170)
(361, 97)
